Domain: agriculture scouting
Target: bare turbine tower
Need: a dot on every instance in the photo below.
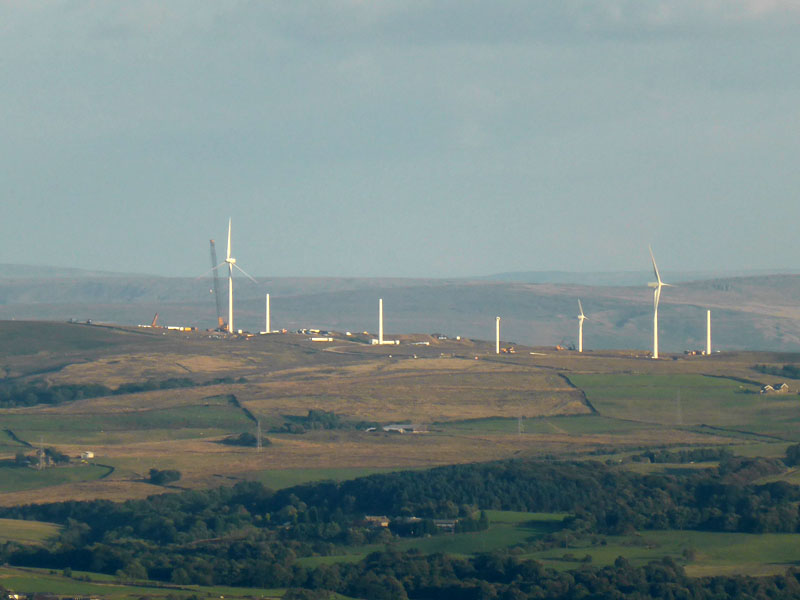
(657, 285)
(380, 321)
(267, 323)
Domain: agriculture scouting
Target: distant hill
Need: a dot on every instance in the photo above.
(10, 271)
(620, 277)
(753, 312)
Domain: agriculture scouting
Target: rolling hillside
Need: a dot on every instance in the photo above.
(755, 312)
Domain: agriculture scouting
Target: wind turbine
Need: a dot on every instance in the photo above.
(657, 285)
(231, 262)
(581, 319)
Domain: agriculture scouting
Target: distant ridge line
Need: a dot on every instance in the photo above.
(624, 278)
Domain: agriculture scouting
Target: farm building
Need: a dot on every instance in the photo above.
(777, 388)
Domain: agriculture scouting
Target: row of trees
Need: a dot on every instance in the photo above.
(791, 371)
(320, 419)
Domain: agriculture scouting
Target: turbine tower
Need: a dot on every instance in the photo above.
(267, 322)
(708, 333)
(380, 321)
(581, 319)
(231, 262)
(497, 337)
(657, 285)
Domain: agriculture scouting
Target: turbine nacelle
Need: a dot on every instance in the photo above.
(656, 285)
(231, 262)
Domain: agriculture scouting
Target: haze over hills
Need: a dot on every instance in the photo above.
(606, 278)
(624, 277)
(15, 271)
(753, 312)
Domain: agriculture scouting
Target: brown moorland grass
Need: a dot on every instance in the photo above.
(125, 368)
(287, 375)
(103, 489)
(204, 463)
(420, 390)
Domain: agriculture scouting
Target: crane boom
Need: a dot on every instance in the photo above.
(215, 275)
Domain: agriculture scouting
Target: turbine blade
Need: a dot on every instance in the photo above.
(209, 272)
(580, 307)
(229, 239)
(246, 274)
(655, 268)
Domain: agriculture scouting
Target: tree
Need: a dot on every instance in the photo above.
(792, 455)
(158, 477)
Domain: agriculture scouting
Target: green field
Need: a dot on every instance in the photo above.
(690, 399)
(702, 552)
(27, 532)
(573, 425)
(13, 478)
(9, 445)
(96, 584)
(169, 423)
(506, 528)
(82, 583)
(22, 338)
(709, 552)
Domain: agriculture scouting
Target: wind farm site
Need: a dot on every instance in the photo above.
(269, 390)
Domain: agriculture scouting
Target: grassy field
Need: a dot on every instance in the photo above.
(14, 478)
(22, 338)
(692, 399)
(27, 532)
(103, 428)
(507, 528)
(573, 425)
(106, 586)
(703, 553)
(8, 445)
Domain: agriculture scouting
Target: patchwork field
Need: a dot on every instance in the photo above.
(314, 404)
(471, 404)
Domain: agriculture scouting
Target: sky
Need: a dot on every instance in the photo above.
(445, 138)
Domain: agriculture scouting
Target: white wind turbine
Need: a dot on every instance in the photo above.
(231, 262)
(581, 319)
(657, 284)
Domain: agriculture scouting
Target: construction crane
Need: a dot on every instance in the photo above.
(221, 324)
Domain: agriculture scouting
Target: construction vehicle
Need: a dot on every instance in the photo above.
(221, 324)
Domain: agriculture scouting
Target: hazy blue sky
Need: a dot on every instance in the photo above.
(442, 138)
